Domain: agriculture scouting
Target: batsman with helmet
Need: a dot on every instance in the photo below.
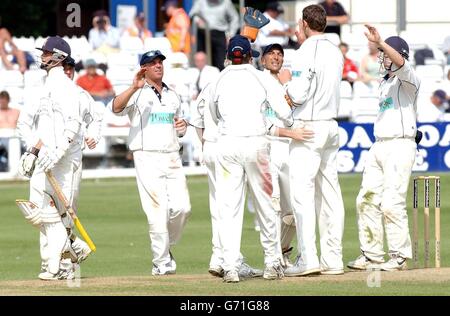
(51, 131)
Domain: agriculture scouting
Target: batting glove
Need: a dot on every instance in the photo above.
(48, 158)
(254, 20)
(27, 162)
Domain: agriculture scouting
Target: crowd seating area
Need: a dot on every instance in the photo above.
(358, 103)
(123, 65)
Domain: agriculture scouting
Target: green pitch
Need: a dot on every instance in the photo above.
(110, 211)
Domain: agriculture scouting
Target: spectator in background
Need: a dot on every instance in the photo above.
(7, 49)
(139, 29)
(440, 100)
(420, 55)
(350, 71)
(435, 112)
(336, 16)
(205, 73)
(177, 30)
(369, 69)
(8, 119)
(222, 20)
(97, 85)
(103, 37)
(277, 31)
(8, 116)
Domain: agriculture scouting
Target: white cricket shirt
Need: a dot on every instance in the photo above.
(239, 99)
(316, 79)
(201, 115)
(397, 114)
(152, 119)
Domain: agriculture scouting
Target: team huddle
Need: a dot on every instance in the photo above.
(269, 136)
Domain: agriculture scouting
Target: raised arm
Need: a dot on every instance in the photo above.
(120, 101)
(374, 37)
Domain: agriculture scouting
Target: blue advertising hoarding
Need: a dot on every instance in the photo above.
(433, 153)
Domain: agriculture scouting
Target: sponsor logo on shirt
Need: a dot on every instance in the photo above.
(269, 113)
(386, 104)
(161, 118)
(296, 73)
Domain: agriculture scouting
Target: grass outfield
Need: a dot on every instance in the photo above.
(110, 210)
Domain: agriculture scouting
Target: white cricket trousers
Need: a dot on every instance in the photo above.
(315, 193)
(239, 158)
(164, 198)
(279, 164)
(54, 237)
(382, 199)
(209, 158)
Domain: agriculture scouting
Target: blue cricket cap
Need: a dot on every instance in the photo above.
(271, 47)
(150, 56)
(239, 46)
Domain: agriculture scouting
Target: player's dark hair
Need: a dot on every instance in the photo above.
(316, 17)
(5, 94)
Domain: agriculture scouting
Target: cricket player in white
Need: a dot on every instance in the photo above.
(90, 134)
(238, 101)
(51, 133)
(272, 61)
(154, 111)
(315, 190)
(382, 197)
(207, 131)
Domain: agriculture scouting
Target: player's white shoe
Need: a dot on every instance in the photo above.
(362, 263)
(165, 269)
(273, 272)
(47, 276)
(231, 277)
(246, 271)
(332, 271)
(216, 271)
(394, 264)
(300, 269)
(61, 275)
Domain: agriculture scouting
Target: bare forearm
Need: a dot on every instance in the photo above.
(200, 133)
(393, 55)
(121, 101)
(283, 132)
